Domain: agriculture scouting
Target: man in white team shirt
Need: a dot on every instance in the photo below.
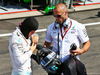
(22, 44)
(70, 31)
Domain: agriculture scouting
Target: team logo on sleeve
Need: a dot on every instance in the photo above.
(85, 32)
(19, 41)
(73, 27)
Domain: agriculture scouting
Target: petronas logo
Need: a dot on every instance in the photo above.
(73, 27)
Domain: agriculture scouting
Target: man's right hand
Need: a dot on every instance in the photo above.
(35, 39)
(33, 47)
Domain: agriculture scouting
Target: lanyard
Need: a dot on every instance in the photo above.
(66, 30)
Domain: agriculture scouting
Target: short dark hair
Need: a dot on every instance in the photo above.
(29, 24)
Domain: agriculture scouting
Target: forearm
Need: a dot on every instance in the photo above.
(79, 51)
(86, 46)
(21, 59)
(20, 54)
(47, 44)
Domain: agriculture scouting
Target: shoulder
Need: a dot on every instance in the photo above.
(77, 24)
(51, 25)
(15, 37)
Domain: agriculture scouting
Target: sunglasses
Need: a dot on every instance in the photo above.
(58, 15)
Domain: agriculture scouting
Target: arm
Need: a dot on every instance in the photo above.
(19, 55)
(84, 48)
(35, 38)
(48, 37)
(83, 37)
(47, 44)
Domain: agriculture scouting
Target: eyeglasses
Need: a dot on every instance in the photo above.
(58, 15)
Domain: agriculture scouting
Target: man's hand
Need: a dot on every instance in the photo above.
(35, 39)
(33, 47)
(78, 51)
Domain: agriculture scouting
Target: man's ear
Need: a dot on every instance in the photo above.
(66, 12)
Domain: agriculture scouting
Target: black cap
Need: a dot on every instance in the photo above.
(29, 24)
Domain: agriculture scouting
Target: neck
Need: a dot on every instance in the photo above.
(65, 29)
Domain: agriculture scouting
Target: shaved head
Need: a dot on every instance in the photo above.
(60, 7)
(60, 10)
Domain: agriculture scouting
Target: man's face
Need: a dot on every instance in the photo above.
(31, 32)
(60, 16)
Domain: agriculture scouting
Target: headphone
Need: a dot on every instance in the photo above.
(64, 24)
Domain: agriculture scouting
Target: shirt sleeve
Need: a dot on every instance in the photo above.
(82, 33)
(19, 55)
(48, 37)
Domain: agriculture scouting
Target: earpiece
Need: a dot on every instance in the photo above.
(65, 23)
(57, 25)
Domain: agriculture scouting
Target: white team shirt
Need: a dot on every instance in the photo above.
(76, 34)
(20, 54)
